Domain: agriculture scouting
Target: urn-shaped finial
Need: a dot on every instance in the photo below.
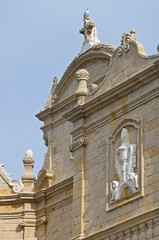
(82, 76)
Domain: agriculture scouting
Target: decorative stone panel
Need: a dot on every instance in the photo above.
(124, 164)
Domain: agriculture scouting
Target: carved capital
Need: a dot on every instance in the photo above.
(82, 141)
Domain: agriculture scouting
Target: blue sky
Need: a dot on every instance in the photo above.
(39, 38)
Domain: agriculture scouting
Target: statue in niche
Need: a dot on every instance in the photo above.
(125, 164)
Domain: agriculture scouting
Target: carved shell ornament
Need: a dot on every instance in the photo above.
(125, 164)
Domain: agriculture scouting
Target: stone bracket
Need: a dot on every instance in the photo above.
(80, 142)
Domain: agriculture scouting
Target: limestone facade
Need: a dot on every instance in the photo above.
(99, 180)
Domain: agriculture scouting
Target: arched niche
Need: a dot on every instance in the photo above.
(134, 130)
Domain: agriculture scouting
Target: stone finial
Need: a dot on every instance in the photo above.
(82, 77)
(52, 95)
(132, 32)
(89, 31)
(28, 177)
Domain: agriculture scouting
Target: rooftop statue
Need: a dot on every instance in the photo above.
(90, 33)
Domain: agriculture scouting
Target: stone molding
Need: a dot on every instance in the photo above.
(55, 189)
(80, 61)
(112, 203)
(11, 215)
(45, 174)
(80, 142)
(124, 88)
(130, 227)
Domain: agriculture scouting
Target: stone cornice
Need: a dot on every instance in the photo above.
(47, 113)
(67, 200)
(11, 215)
(55, 189)
(43, 175)
(134, 221)
(121, 111)
(114, 94)
(16, 198)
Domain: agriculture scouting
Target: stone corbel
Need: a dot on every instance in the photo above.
(42, 220)
(45, 138)
(80, 142)
(28, 223)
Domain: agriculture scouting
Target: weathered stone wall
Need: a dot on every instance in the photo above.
(96, 217)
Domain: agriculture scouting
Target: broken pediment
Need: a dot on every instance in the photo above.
(94, 57)
(95, 60)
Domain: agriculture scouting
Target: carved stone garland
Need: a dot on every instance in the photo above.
(125, 163)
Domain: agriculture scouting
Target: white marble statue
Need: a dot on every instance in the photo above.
(125, 164)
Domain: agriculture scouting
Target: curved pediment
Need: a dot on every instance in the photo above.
(95, 60)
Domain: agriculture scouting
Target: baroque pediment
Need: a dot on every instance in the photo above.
(95, 60)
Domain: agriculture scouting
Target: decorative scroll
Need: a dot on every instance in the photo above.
(78, 143)
(16, 185)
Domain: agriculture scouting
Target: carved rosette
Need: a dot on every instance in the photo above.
(83, 141)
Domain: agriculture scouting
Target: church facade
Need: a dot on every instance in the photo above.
(99, 180)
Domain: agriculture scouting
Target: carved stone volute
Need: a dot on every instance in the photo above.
(82, 77)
